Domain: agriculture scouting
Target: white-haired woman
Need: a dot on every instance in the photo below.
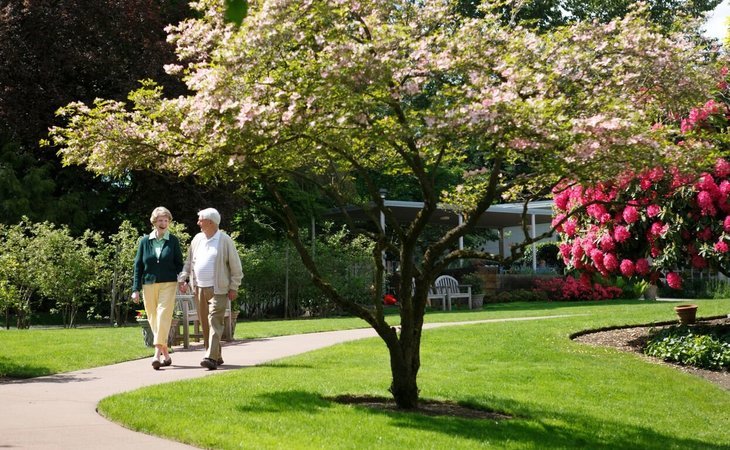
(157, 264)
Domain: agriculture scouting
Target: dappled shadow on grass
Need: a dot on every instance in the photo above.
(545, 428)
(13, 373)
(281, 401)
(425, 407)
(11, 369)
(579, 431)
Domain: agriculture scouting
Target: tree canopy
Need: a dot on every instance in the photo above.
(330, 93)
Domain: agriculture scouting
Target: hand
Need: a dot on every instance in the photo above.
(182, 287)
(135, 296)
(232, 295)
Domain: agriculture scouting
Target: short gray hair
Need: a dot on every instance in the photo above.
(211, 214)
(160, 211)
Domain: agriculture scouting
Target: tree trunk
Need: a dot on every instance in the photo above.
(404, 386)
(405, 362)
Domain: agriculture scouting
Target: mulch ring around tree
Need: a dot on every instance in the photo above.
(425, 407)
(634, 339)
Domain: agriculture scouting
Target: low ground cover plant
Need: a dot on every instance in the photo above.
(698, 346)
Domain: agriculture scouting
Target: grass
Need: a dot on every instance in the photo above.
(562, 394)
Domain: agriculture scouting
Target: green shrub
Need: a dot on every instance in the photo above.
(517, 295)
(277, 284)
(705, 347)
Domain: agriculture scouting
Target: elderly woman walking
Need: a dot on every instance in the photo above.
(157, 264)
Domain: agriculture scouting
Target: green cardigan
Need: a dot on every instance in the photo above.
(148, 269)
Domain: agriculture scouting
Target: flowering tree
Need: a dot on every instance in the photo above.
(329, 92)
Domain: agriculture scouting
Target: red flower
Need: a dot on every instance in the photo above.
(674, 280)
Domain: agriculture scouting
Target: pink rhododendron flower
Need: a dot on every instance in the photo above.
(570, 227)
(627, 268)
(642, 266)
(653, 210)
(726, 223)
(704, 200)
(658, 229)
(607, 243)
(721, 246)
(610, 262)
(674, 280)
(630, 214)
(722, 168)
(597, 256)
(621, 233)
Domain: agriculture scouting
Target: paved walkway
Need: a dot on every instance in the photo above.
(59, 411)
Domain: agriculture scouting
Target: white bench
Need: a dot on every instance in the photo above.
(446, 289)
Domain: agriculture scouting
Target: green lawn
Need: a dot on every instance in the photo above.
(562, 394)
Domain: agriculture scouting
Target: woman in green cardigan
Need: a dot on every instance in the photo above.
(157, 264)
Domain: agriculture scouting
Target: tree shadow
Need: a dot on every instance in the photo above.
(545, 428)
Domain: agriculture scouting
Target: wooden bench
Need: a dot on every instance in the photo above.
(186, 305)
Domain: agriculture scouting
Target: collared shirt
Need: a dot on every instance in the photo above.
(204, 263)
(159, 242)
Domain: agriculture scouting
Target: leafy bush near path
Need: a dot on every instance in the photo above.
(698, 346)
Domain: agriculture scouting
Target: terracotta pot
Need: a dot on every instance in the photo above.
(687, 313)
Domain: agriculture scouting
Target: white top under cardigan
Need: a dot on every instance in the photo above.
(228, 271)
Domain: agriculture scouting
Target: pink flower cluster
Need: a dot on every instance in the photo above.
(572, 289)
(698, 116)
(646, 225)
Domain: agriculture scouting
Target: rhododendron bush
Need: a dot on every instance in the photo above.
(647, 225)
(338, 95)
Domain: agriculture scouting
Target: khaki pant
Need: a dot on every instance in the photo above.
(211, 313)
(159, 303)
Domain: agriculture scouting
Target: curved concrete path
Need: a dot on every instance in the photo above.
(59, 411)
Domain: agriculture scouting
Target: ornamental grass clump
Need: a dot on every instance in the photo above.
(704, 347)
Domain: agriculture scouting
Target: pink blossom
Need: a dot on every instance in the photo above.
(722, 168)
(607, 243)
(570, 227)
(674, 280)
(653, 210)
(658, 229)
(621, 233)
(630, 214)
(726, 223)
(596, 211)
(597, 257)
(721, 246)
(627, 268)
(561, 200)
(610, 262)
(565, 250)
(556, 222)
(642, 266)
(704, 200)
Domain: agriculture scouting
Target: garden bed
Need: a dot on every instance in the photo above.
(634, 339)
